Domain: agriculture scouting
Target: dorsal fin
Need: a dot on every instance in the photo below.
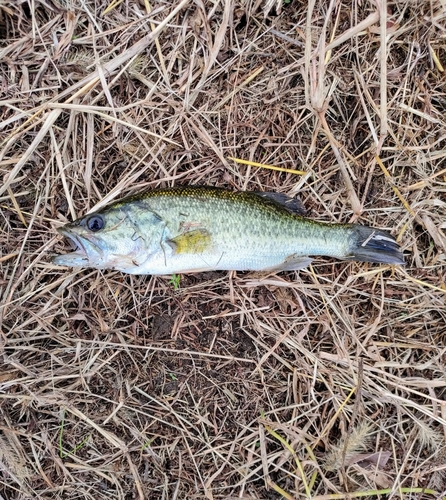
(294, 205)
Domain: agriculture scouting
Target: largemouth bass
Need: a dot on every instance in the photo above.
(192, 229)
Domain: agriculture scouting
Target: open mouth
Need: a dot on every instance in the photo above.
(87, 250)
(79, 257)
(74, 242)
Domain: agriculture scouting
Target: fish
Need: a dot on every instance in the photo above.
(198, 228)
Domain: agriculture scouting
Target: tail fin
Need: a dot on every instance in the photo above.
(373, 245)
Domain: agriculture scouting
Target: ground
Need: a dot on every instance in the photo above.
(325, 383)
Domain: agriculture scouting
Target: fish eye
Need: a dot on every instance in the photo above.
(95, 223)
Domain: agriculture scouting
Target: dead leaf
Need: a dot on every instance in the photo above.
(365, 460)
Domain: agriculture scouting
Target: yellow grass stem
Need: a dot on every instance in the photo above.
(434, 56)
(111, 6)
(270, 167)
(423, 283)
(334, 417)
(293, 453)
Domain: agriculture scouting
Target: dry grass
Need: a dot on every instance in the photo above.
(327, 383)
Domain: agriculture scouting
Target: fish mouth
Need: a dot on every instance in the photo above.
(82, 247)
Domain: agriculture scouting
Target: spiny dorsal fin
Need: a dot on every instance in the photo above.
(294, 205)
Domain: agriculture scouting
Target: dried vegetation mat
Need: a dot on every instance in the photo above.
(328, 383)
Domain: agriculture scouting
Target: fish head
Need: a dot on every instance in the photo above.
(108, 239)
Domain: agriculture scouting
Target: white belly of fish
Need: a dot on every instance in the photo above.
(167, 262)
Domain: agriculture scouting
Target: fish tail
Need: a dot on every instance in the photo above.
(368, 244)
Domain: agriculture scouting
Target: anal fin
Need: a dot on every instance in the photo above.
(292, 263)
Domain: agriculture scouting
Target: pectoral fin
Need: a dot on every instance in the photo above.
(292, 263)
(195, 241)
